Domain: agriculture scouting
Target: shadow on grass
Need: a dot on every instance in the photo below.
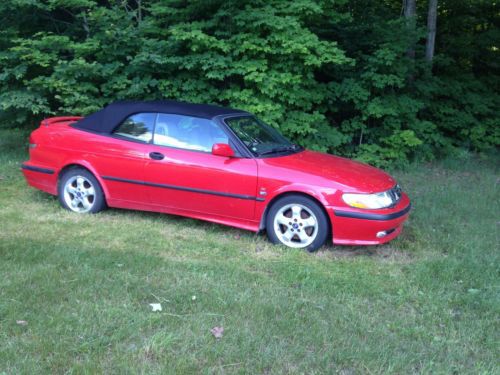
(393, 251)
(386, 252)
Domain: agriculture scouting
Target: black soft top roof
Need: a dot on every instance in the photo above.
(105, 120)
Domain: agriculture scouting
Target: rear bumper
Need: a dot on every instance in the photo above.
(40, 177)
(362, 227)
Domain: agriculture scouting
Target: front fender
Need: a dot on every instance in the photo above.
(323, 196)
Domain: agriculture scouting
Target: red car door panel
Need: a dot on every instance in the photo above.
(202, 182)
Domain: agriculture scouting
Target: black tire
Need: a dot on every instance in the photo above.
(293, 209)
(80, 192)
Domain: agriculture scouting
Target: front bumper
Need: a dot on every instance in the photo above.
(368, 227)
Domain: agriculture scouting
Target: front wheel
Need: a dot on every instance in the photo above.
(79, 191)
(297, 221)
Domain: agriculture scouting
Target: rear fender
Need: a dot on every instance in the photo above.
(85, 164)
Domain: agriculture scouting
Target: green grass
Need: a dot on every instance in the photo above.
(426, 303)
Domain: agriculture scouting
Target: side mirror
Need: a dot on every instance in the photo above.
(222, 149)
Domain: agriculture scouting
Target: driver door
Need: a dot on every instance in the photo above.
(182, 174)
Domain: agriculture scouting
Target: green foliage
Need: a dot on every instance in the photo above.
(333, 77)
(392, 150)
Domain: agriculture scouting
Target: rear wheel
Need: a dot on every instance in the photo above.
(297, 221)
(79, 191)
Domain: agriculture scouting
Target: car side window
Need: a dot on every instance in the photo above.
(138, 127)
(190, 133)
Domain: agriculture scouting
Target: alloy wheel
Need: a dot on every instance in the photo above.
(79, 194)
(295, 225)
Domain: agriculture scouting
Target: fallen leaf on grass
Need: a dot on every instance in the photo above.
(22, 322)
(217, 332)
(155, 306)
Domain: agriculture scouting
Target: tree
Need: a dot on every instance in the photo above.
(431, 30)
(410, 13)
(347, 77)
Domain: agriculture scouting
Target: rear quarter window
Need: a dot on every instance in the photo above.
(137, 127)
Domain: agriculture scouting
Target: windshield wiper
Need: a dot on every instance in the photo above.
(280, 149)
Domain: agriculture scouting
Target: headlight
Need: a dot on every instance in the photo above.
(373, 201)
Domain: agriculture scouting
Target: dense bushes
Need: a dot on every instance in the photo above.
(334, 77)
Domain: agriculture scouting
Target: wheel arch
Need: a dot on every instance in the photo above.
(88, 168)
(262, 224)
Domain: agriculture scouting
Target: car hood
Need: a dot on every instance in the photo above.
(349, 173)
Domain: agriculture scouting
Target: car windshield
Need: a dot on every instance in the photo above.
(260, 138)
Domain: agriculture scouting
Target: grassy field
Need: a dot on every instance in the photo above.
(75, 290)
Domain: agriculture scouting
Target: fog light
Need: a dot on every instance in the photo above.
(385, 232)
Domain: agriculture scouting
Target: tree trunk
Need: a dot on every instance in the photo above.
(139, 10)
(410, 12)
(431, 30)
(86, 25)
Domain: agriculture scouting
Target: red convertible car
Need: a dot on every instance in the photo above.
(217, 164)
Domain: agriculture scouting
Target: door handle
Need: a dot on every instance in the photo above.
(156, 155)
